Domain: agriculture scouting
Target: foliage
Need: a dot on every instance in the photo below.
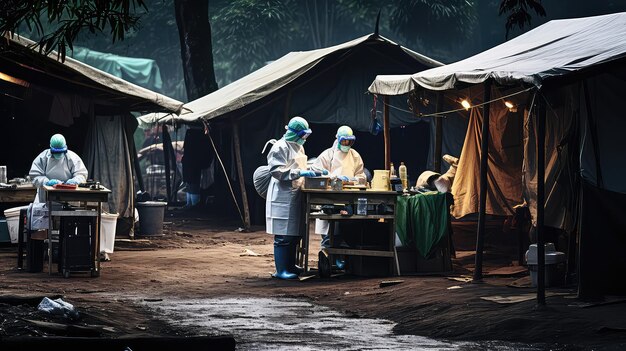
(70, 18)
(247, 33)
(518, 12)
(450, 21)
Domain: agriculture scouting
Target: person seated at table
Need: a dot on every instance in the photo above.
(344, 162)
(56, 165)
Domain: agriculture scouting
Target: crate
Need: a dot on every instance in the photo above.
(438, 262)
(316, 183)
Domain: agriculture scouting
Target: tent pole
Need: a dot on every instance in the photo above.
(386, 135)
(484, 168)
(541, 164)
(165, 138)
(438, 134)
(242, 183)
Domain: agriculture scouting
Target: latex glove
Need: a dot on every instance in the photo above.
(344, 178)
(324, 172)
(72, 182)
(305, 173)
(53, 182)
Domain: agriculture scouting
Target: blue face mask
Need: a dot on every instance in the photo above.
(300, 141)
(58, 156)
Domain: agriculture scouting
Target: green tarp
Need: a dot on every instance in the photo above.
(422, 220)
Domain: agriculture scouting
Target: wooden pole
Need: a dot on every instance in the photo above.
(484, 168)
(165, 138)
(541, 163)
(438, 134)
(387, 136)
(242, 183)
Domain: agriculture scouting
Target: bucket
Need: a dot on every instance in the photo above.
(151, 215)
(554, 265)
(380, 180)
(108, 222)
(13, 222)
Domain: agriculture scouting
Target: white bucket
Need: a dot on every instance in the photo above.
(13, 221)
(107, 231)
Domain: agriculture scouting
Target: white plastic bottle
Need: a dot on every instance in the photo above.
(392, 170)
(403, 175)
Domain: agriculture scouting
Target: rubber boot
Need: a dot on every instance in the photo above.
(194, 199)
(340, 263)
(292, 267)
(281, 260)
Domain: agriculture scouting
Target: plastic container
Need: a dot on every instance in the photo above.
(361, 207)
(13, 221)
(392, 170)
(554, 264)
(3, 174)
(108, 224)
(151, 217)
(403, 175)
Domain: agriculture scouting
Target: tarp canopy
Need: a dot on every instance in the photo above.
(552, 50)
(141, 71)
(20, 59)
(270, 79)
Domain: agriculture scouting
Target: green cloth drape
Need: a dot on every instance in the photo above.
(422, 220)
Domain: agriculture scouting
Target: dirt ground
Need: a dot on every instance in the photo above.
(208, 257)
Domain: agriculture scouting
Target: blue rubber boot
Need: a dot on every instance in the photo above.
(194, 199)
(340, 263)
(282, 254)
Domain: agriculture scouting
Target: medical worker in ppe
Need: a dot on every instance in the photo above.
(287, 165)
(56, 165)
(344, 162)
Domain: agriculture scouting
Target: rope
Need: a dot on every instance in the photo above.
(206, 131)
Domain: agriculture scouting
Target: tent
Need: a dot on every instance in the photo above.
(42, 95)
(556, 146)
(327, 86)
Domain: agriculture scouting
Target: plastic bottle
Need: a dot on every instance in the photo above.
(392, 170)
(403, 175)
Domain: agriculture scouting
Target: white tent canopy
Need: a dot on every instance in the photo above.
(265, 81)
(554, 49)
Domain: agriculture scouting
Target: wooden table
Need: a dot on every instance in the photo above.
(350, 197)
(83, 195)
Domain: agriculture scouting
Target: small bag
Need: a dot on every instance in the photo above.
(261, 177)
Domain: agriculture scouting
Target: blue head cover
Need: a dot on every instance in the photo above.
(297, 130)
(58, 146)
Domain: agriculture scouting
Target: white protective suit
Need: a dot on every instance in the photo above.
(283, 207)
(338, 163)
(46, 167)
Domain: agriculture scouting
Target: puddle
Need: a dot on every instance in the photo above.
(292, 324)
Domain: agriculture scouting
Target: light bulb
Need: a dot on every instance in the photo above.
(508, 104)
(466, 105)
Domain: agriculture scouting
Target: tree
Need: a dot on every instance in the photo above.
(194, 30)
(69, 17)
(518, 13)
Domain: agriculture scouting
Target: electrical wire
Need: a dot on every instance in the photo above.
(443, 113)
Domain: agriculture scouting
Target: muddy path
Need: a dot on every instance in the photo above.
(201, 258)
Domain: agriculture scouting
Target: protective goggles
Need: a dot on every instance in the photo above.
(62, 150)
(347, 140)
(302, 134)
